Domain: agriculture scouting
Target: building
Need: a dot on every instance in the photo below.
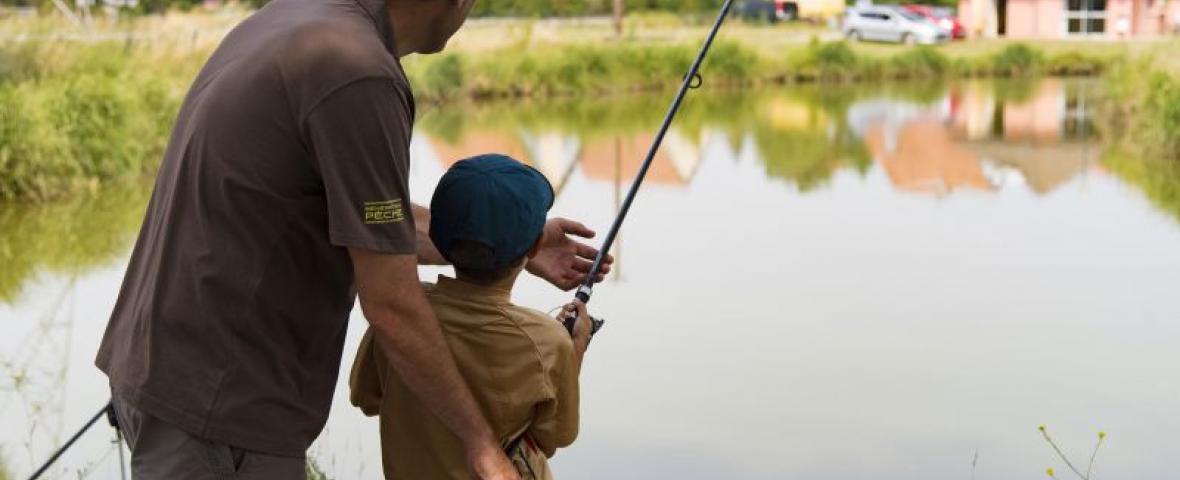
(1049, 19)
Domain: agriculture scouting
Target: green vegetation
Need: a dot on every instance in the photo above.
(314, 472)
(1158, 178)
(612, 68)
(85, 230)
(1143, 118)
(73, 115)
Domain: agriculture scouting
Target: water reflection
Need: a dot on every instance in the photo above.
(982, 136)
(947, 288)
(86, 230)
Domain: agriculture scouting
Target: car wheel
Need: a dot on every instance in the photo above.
(907, 39)
(853, 35)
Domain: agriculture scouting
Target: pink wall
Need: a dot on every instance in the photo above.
(1031, 19)
(1036, 18)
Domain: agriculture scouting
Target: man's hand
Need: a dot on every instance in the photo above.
(563, 261)
(491, 465)
(409, 335)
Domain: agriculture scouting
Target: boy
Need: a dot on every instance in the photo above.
(522, 365)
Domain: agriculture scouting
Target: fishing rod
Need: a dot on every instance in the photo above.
(109, 410)
(691, 80)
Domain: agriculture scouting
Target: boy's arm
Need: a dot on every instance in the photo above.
(555, 423)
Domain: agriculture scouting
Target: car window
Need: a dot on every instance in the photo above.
(911, 16)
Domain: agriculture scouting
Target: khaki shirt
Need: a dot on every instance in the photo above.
(518, 362)
(292, 144)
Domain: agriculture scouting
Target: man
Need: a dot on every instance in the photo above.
(281, 198)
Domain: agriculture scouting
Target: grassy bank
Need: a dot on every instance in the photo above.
(614, 68)
(1144, 118)
(73, 116)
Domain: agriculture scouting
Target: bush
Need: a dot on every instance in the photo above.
(827, 61)
(1074, 63)
(1161, 113)
(442, 74)
(90, 115)
(1016, 60)
(919, 62)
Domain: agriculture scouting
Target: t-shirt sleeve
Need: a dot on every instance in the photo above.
(555, 421)
(359, 135)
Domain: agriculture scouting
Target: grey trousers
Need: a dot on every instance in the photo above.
(160, 451)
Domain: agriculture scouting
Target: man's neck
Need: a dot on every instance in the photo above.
(401, 30)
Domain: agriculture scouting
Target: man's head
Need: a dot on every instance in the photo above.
(425, 26)
(487, 215)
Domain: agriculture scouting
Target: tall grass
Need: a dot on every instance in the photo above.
(609, 68)
(72, 117)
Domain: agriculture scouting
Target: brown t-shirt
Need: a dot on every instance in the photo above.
(293, 142)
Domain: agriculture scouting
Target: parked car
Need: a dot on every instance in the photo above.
(941, 16)
(891, 24)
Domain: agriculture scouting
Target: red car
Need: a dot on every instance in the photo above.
(943, 17)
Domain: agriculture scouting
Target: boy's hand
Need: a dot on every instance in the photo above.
(581, 327)
(491, 464)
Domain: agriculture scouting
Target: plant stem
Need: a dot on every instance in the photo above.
(1093, 454)
(1045, 433)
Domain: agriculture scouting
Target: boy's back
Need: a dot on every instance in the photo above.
(519, 363)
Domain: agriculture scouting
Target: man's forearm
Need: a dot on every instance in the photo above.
(414, 345)
(427, 253)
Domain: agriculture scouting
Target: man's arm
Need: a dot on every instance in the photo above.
(427, 253)
(407, 332)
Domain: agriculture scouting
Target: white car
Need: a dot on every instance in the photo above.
(890, 24)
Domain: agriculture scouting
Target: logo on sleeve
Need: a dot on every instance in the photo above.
(387, 211)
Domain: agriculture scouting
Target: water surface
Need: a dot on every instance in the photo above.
(816, 282)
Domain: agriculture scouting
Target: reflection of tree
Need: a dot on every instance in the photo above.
(1159, 178)
(808, 158)
(84, 231)
(805, 152)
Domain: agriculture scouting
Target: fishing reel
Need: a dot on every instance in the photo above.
(595, 324)
(583, 294)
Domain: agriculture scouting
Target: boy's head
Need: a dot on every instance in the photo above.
(487, 215)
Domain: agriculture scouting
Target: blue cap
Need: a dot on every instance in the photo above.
(493, 200)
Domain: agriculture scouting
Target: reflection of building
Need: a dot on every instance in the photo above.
(555, 154)
(978, 140)
(1069, 18)
(924, 158)
(675, 163)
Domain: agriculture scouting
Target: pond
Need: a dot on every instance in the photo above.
(815, 282)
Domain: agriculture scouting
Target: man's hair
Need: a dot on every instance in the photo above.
(468, 257)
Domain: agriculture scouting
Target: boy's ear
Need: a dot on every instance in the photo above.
(536, 247)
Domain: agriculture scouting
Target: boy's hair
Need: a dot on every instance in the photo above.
(467, 252)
